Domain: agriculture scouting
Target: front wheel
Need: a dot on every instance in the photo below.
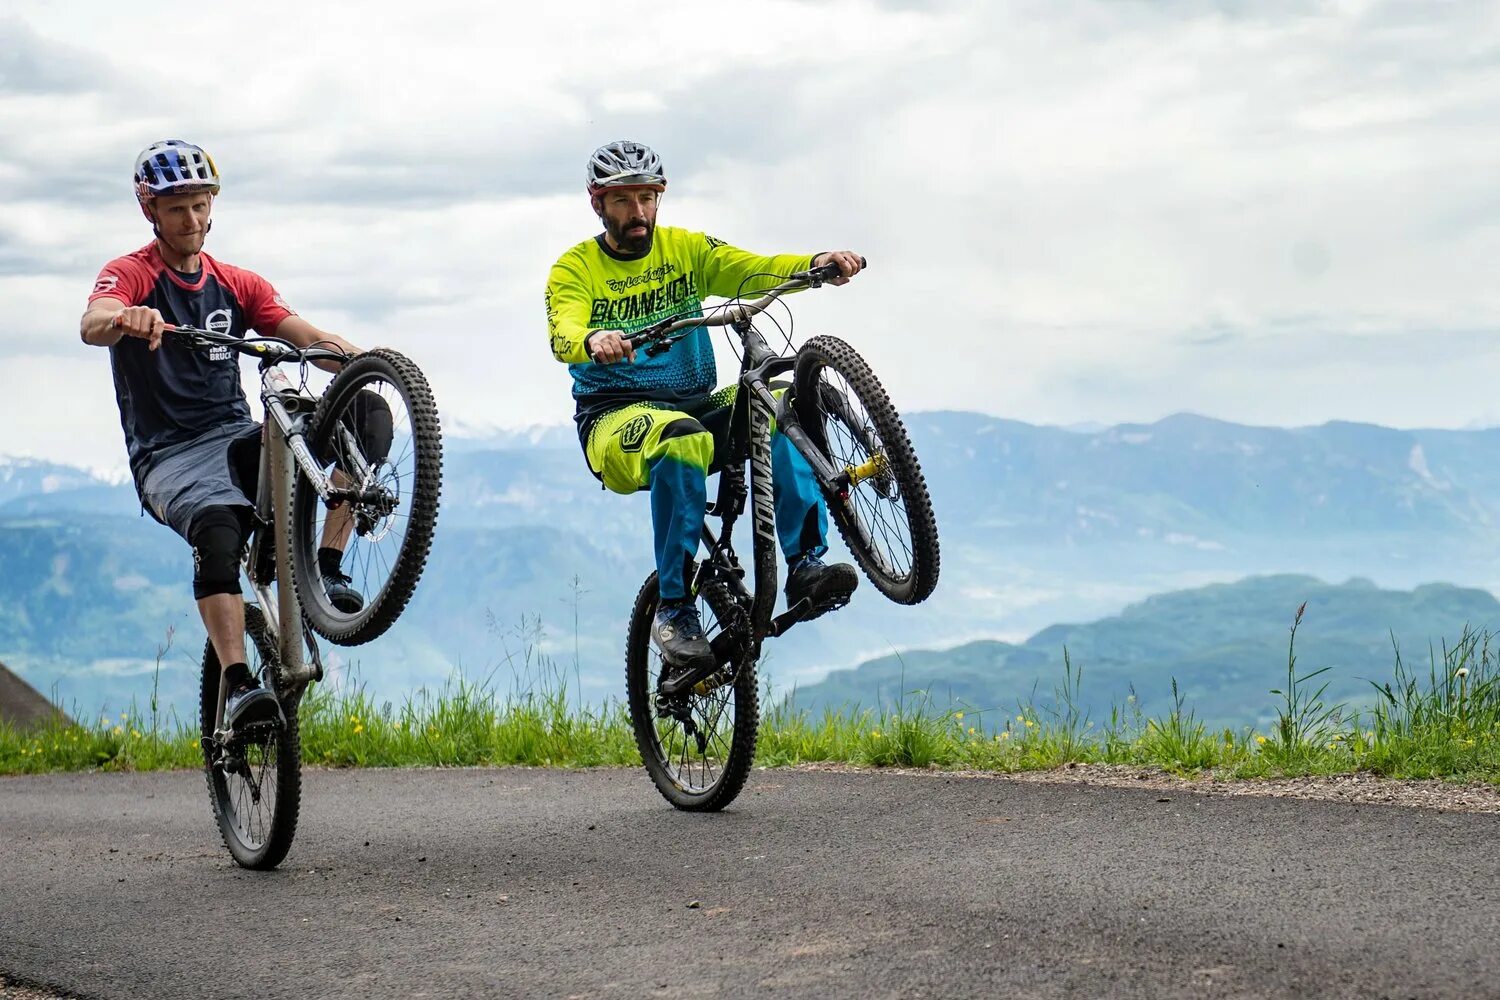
(882, 508)
(254, 780)
(697, 747)
(376, 431)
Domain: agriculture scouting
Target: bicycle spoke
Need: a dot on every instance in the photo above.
(877, 514)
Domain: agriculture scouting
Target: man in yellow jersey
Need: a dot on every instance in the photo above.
(651, 423)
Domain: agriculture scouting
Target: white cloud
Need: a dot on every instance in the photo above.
(1075, 211)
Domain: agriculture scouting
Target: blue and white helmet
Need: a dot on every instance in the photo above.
(173, 166)
(623, 163)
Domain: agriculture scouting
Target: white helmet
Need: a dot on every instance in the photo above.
(623, 163)
(173, 166)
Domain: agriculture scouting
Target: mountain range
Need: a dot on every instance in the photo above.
(1039, 525)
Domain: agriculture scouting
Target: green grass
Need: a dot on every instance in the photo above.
(1441, 722)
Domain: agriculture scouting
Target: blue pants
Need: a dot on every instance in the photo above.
(670, 452)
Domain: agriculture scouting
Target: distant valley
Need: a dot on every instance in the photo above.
(1039, 525)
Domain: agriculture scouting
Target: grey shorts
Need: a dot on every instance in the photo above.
(182, 480)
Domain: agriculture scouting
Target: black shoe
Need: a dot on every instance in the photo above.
(826, 588)
(248, 705)
(679, 636)
(344, 598)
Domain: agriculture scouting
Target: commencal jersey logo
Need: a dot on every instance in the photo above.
(631, 312)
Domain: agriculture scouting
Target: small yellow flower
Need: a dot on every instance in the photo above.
(971, 729)
(1259, 738)
(959, 716)
(1020, 718)
(136, 733)
(359, 727)
(1029, 723)
(1005, 735)
(875, 733)
(118, 730)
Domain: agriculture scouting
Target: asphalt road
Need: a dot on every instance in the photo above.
(586, 884)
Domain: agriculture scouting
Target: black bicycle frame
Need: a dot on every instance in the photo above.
(748, 441)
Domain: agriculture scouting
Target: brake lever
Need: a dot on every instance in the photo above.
(183, 337)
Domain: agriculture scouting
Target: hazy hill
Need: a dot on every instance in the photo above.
(1226, 645)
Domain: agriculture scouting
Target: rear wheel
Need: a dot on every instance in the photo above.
(884, 512)
(375, 430)
(697, 747)
(254, 780)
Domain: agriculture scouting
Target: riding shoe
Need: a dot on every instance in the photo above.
(824, 587)
(344, 598)
(248, 704)
(678, 634)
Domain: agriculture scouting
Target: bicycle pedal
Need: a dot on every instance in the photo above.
(253, 732)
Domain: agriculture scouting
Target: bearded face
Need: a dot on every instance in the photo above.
(629, 216)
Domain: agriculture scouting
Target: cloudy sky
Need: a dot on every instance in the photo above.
(1270, 212)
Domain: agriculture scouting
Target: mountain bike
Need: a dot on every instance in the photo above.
(696, 728)
(326, 477)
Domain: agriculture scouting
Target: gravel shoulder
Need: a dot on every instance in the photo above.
(1361, 788)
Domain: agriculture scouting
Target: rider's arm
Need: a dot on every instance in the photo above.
(302, 333)
(97, 328)
(729, 271)
(266, 313)
(112, 312)
(568, 305)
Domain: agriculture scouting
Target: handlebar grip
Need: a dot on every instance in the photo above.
(832, 269)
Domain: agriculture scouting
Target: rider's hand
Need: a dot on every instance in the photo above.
(140, 321)
(849, 262)
(608, 346)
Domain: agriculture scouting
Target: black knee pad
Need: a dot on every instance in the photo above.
(369, 418)
(373, 425)
(218, 539)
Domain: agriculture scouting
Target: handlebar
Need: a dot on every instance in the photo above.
(654, 338)
(270, 350)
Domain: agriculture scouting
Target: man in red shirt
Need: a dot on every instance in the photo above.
(194, 448)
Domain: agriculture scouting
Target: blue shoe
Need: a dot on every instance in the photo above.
(678, 634)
